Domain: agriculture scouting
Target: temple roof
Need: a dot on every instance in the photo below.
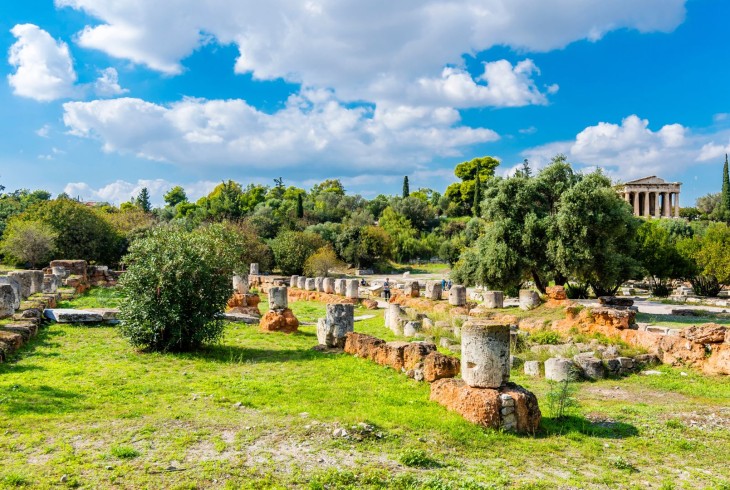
(651, 180)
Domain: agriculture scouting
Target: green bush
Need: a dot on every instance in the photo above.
(292, 248)
(576, 291)
(176, 286)
(546, 337)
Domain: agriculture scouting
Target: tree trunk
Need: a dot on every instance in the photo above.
(538, 283)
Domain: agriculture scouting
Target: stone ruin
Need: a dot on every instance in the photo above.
(279, 318)
(333, 329)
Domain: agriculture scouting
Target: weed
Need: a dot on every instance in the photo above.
(15, 480)
(674, 424)
(417, 458)
(561, 399)
(623, 464)
(124, 452)
(545, 337)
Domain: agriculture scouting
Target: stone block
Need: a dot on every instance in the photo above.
(415, 352)
(36, 282)
(73, 316)
(433, 290)
(278, 298)
(15, 285)
(493, 299)
(8, 300)
(438, 366)
(411, 289)
(254, 269)
(319, 284)
(309, 284)
(485, 353)
(74, 267)
(293, 281)
(532, 368)
(410, 329)
(560, 369)
(352, 288)
(457, 296)
(279, 321)
(709, 333)
(301, 282)
(340, 320)
(25, 282)
(340, 286)
(240, 284)
(556, 293)
(329, 285)
(529, 299)
(591, 367)
(51, 283)
(395, 318)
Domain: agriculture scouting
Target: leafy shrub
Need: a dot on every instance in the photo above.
(417, 458)
(29, 242)
(546, 337)
(576, 290)
(322, 262)
(561, 399)
(124, 452)
(660, 290)
(176, 286)
(705, 285)
(292, 248)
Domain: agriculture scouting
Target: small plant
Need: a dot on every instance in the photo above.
(622, 464)
(124, 452)
(15, 480)
(561, 399)
(417, 458)
(545, 337)
(674, 424)
(576, 291)
(660, 290)
(705, 285)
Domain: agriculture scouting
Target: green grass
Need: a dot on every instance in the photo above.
(678, 321)
(259, 411)
(393, 267)
(95, 298)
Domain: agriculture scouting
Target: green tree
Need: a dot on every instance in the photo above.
(657, 253)
(300, 206)
(460, 195)
(404, 237)
(291, 249)
(175, 196)
(406, 187)
(31, 242)
(712, 254)
(176, 285)
(477, 193)
(725, 185)
(322, 262)
(143, 200)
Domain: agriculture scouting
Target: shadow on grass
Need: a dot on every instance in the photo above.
(239, 355)
(574, 424)
(20, 400)
(31, 348)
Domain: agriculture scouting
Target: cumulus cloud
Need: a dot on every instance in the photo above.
(312, 127)
(358, 48)
(107, 85)
(120, 190)
(43, 66)
(631, 149)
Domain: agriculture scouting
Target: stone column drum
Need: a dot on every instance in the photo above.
(457, 296)
(485, 354)
(412, 289)
(254, 271)
(352, 288)
(301, 282)
(15, 286)
(394, 318)
(293, 281)
(340, 287)
(51, 282)
(433, 290)
(36, 282)
(24, 281)
(329, 285)
(494, 299)
(240, 284)
(278, 298)
(319, 284)
(529, 299)
(309, 284)
(7, 300)
(340, 320)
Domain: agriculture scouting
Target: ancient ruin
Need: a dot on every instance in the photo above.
(652, 197)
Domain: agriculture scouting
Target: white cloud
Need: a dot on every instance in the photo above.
(120, 191)
(44, 131)
(43, 67)
(360, 48)
(631, 149)
(107, 85)
(312, 127)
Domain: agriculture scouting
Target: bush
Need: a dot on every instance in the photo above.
(292, 248)
(660, 290)
(29, 242)
(176, 286)
(417, 458)
(545, 337)
(576, 291)
(705, 285)
(322, 262)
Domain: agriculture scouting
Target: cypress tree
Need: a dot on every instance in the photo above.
(725, 186)
(300, 206)
(143, 200)
(406, 188)
(477, 193)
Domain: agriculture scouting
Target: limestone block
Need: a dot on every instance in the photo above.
(415, 352)
(254, 269)
(319, 284)
(529, 299)
(410, 329)
(457, 296)
(278, 298)
(433, 290)
(51, 283)
(61, 272)
(279, 321)
(493, 299)
(294, 281)
(485, 354)
(240, 284)
(412, 289)
(352, 288)
(15, 285)
(333, 329)
(395, 318)
(329, 285)
(532, 368)
(61, 315)
(591, 366)
(309, 284)
(559, 369)
(7, 300)
(24, 280)
(340, 286)
(438, 366)
(556, 293)
(36, 282)
(301, 282)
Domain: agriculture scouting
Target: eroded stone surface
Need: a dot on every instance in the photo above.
(279, 321)
(485, 353)
(73, 316)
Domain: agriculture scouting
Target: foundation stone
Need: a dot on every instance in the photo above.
(485, 354)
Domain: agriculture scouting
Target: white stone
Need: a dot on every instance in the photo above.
(457, 296)
(532, 368)
(333, 329)
(293, 281)
(309, 284)
(240, 284)
(278, 298)
(395, 318)
(529, 299)
(301, 282)
(493, 299)
(340, 286)
(7, 300)
(352, 288)
(410, 329)
(15, 285)
(254, 269)
(485, 358)
(433, 290)
(559, 369)
(61, 315)
(329, 285)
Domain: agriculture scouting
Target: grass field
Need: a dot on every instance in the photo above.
(80, 408)
(679, 321)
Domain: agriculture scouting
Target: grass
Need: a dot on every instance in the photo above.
(259, 411)
(95, 298)
(429, 268)
(679, 321)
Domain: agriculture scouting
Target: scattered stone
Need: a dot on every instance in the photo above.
(493, 299)
(410, 329)
(329, 285)
(395, 318)
(433, 290)
(310, 284)
(591, 366)
(15, 286)
(278, 298)
(332, 331)
(352, 288)
(556, 293)
(560, 369)
(240, 318)
(457, 296)
(73, 316)
(532, 368)
(529, 299)
(412, 289)
(279, 321)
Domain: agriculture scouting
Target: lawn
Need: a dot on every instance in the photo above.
(679, 321)
(80, 408)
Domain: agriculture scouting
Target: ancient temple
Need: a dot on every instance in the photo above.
(652, 197)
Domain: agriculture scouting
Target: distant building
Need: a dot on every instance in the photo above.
(652, 197)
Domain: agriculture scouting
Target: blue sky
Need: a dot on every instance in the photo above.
(102, 97)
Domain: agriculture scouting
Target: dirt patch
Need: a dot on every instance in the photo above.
(706, 419)
(619, 393)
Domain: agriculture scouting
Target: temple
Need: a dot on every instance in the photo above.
(652, 197)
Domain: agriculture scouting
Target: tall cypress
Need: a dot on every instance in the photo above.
(477, 193)
(300, 206)
(725, 186)
(406, 188)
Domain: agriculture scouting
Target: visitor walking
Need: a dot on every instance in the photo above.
(386, 289)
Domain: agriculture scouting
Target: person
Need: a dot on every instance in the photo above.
(443, 284)
(362, 282)
(448, 285)
(386, 289)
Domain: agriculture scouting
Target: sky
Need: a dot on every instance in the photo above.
(99, 98)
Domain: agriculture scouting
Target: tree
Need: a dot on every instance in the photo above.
(292, 248)
(175, 196)
(477, 193)
(300, 206)
(31, 242)
(726, 186)
(657, 252)
(238, 245)
(707, 204)
(406, 188)
(712, 255)
(322, 262)
(460, 195)
(143, 200)
(176, 285)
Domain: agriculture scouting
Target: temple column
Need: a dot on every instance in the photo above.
(646, 204)
(676, 204)
(657, 209)
(636, 204)
(665, 204)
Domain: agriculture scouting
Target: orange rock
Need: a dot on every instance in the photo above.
(415, 352)
(438, 366)
(391, 354)
(709, 333)
(719, 361)
(274, 321)
(556, 293)
(369, 304)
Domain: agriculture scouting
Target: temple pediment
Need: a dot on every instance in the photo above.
(651, 180)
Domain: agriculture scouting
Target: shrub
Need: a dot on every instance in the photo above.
(176, 286)
(576, 291)
(322, 262)
(561, 399)
(292, 248)
(705, 285)
(545, 337)
(124, 452)
(30, 242)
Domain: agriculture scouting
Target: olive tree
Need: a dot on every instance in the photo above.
(30, 242)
